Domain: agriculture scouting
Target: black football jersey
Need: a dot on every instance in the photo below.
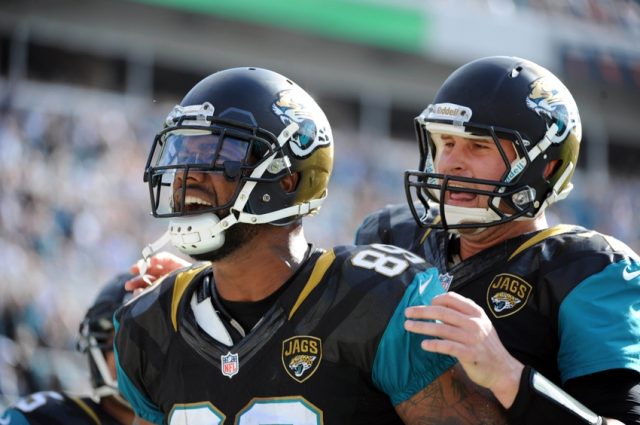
(54, 408)
(563, 300)
(332, 349)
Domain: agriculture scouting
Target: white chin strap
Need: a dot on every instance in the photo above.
(196, 234)
(464, 215)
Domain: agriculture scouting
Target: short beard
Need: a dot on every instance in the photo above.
(235, 238)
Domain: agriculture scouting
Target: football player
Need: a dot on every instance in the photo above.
(105, 406)
(498, 145)
(265, 327)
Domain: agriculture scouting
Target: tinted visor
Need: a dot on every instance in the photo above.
(197, 147)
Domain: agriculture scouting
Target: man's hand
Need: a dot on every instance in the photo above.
(157, 266)
(467, 333)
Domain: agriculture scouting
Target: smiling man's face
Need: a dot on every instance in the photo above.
(477, 158)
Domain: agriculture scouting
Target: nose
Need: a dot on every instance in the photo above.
(188, 175)
(453, 160)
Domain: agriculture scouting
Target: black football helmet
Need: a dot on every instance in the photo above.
(254, 126)
(499, 98)
(96, 335)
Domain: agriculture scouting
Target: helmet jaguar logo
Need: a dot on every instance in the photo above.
(547, 99)
(309, 136)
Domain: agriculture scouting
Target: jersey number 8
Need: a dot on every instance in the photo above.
(388, 260)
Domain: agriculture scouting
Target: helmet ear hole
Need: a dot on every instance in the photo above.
(289, 183)
(551, 168)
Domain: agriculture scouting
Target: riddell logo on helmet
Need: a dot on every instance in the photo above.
(446, 110)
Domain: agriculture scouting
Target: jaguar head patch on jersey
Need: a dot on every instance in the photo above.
(507, 294)
(301, 356)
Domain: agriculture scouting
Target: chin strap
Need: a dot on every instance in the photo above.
(154, 247)
(148, 251)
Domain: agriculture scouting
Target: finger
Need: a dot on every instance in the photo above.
(438, 330)
(443, 346)
(170, 260)
(138, 282)
(135, 268)
(459, 303)
(441, 313)
(465, 355)
(163, 264)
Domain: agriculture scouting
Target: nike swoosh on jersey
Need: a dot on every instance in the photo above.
(6, 421)
(628, 275)
(423, 285)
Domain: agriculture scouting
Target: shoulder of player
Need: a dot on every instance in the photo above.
(386, 221)
(163, 294)
(564, 242)
(378, 262)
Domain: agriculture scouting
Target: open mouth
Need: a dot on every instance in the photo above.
(194, 203)
(460, 196)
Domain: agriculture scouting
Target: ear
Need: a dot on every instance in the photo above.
(289, 183)
(550, 168)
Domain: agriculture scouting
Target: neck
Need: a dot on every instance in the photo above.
(473, 243)
(256, 272)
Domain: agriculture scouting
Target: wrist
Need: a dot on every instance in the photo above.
(507, 387)
(540, 401)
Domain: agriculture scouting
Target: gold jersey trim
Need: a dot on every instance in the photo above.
(547, 233)
(180, 284)
(318, 272)
(424, 237)
(88, 410)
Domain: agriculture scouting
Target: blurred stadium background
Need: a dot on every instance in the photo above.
(84, 86)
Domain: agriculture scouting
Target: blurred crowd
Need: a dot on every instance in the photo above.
(74, 211)
(615, 14)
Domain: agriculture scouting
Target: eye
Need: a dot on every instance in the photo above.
(482, 145)
(446, 143)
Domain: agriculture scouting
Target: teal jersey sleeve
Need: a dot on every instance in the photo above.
(141, 405)
(401, 367)
(13, 417)
(599, 322)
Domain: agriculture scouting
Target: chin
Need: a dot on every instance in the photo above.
(471, 231)
(237, 237)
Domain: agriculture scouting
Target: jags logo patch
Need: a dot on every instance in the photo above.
(311, 134)
(301, 356)
(507, 294)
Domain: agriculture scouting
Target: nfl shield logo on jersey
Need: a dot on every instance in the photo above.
(445, 281)
(229, 364)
